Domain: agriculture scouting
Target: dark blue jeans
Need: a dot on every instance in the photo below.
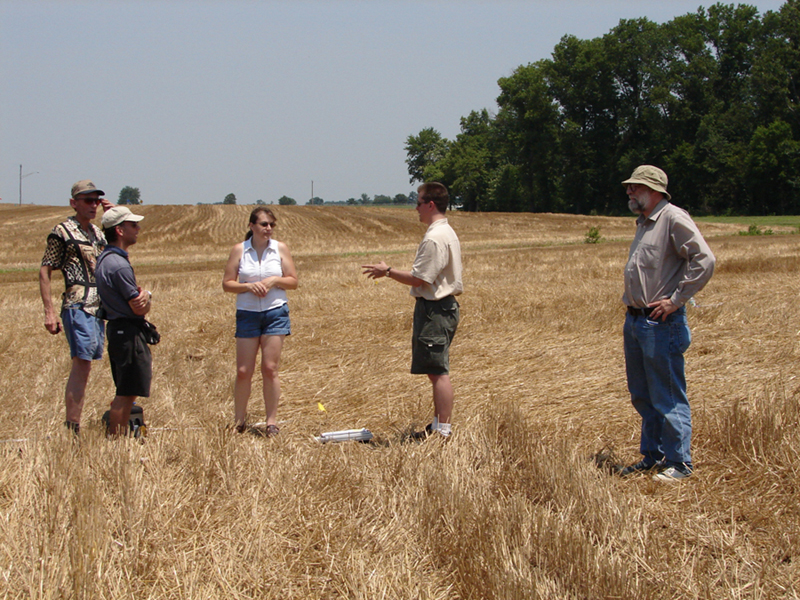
(655, 367)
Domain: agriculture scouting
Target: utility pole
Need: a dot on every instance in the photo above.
(21, 177)
(312, 191)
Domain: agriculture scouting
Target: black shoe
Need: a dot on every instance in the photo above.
(136, 425)
(642, 466)
(421, 436)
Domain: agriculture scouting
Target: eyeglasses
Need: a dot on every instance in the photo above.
(268, 224)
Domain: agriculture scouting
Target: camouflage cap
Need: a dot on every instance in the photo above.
(84, 186)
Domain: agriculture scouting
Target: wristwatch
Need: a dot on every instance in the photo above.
(388, 270)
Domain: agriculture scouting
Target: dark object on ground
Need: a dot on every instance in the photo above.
(606, 460)
(136, 424)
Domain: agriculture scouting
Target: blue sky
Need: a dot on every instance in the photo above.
(190, 101)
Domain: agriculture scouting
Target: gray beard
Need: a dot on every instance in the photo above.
(635, 206)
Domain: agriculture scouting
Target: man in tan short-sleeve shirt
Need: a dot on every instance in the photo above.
(435, 281)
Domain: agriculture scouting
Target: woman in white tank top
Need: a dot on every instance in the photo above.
(259, 271)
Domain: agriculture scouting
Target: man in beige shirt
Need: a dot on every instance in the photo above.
(669, 262)
(435, 280)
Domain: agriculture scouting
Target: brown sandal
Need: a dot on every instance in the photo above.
(272, 430)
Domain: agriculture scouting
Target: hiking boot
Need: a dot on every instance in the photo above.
(642, 466)
(673, 473)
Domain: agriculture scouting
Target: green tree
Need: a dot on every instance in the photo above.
(711, 97)
(381, 199)
(424, 151)
(316, 201)
(773, 170)
(365, 199)
(286, 201)
(400, 199)
(352, 201)
(471, 158)
(529, 164)
(129, 195)
(230, 199)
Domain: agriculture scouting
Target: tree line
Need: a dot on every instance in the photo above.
(132, 195)
(711, 97)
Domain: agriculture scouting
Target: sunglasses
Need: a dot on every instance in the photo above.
(268, 224)
(91, 200)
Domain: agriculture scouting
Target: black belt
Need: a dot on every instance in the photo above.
(446, 298)
(640, 312)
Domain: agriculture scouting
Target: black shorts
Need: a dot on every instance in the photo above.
(435, 324)
(129, 354)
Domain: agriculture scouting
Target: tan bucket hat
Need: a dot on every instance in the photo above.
(652, 177)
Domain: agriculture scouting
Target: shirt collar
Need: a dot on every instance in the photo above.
(74, 219)
(248, 246)
(437, 222)
(117, 250)
(655, 214)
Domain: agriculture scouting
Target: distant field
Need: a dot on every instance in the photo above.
(511, 507)
(782, 221)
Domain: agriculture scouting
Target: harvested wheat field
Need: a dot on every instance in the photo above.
(512, 506)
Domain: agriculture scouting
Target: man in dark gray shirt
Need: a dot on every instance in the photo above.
(669, 262)
(125, 304)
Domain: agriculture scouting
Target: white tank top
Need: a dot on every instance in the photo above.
(252, 269)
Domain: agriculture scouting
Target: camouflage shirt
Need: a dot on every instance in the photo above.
(74, 252)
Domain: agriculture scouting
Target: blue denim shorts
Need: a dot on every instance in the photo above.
(274, 321)
(84, 333)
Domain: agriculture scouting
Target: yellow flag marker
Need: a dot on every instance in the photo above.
(321, 407)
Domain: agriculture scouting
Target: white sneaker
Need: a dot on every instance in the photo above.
(671, 474)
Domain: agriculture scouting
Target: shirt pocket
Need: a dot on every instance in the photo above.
(647, 256)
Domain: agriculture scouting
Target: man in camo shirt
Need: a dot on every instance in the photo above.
(73, 247)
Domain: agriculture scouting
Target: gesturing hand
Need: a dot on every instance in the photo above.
(375, 271)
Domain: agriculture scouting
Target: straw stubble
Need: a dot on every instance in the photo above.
(510, 507)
